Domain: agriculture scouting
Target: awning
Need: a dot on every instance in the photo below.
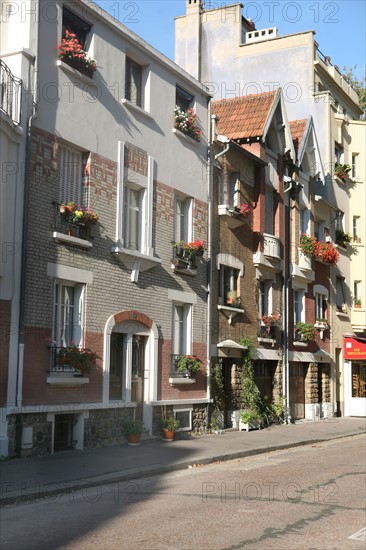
(354, 349)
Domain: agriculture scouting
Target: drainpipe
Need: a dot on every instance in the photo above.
(210, 165)
(209, 254)
(294, 189)
(34, 92)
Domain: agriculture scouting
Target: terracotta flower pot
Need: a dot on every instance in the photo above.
(168, 435)
(134, 440)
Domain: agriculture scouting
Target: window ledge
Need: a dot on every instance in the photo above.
(342, 313)
(233, 219)
(181, 380)
(300, 344)
(74, 72)
(127, 103)
(185, 137)
(70, 240)
(191, 272)
(230, 312)
(135, 261)
(271, 341)
(66, 380)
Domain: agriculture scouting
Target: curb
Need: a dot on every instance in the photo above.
(52, 491)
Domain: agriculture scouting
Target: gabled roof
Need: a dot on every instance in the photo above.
(245, 117)
(303, 132)
(297, 128)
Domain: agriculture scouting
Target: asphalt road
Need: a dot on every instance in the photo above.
(310, 497)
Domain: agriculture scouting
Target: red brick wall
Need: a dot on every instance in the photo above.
(37, 363)
(189, 391)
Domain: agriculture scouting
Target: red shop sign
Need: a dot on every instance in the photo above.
(354, 349)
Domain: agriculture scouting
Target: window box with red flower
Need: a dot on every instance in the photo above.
(72, 53)
(187, 122)
(74, 359)
(341, 171)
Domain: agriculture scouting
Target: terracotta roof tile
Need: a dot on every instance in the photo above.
(297, 128)
(243, 117)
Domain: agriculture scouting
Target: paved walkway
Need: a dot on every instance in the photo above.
(37, 478)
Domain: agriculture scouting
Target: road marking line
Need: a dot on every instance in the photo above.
(359, 535)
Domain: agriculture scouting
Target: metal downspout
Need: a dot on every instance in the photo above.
(33, 82)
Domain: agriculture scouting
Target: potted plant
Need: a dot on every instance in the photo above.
(308, 245)
(187, 122)
(188, 364)
(84, 215)
(132, 430)
(243, 209)
(357, 302)
(341, 171)
(80, 359)
(71, 52)
(67, 208)
(343, 238)
(253, 406)
(305, 331)
(170, 426)
(269, 320)
(278, 409)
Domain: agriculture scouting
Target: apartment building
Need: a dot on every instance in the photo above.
(234, 59)
(116, 174)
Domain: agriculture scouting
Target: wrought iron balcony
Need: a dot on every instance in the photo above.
(10, 93)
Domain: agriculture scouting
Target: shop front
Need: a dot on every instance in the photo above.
(355, 376)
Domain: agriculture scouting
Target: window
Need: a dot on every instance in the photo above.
(357, 293)
(340, 294)
(184, 415)
(338, 153)
(133, 88)
(132, 224)
(339, 221)
(356, 229)
(269, 221)
(234, 189)
(76, 25)
(303, 222)
(265, 297)
(183, 99)
(68, 314)
(359, 379)
(181, 329)
(355, 165)
(69, 174)
(299, 312)
(320, 306)
(183, 219)
(228, 283)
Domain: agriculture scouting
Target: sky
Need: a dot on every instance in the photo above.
(339, 25)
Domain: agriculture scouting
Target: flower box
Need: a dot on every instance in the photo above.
(71, 52)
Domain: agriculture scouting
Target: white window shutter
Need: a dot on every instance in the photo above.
(70, 173)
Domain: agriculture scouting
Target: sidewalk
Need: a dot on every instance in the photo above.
(37, 478)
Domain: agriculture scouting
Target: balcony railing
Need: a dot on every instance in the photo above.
(10, 93)
(58, 361)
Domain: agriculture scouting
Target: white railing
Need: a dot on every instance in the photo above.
(272, 247)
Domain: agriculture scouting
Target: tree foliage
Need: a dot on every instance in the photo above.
(359, 86)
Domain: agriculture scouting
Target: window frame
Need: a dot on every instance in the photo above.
(340, 292)
(70, 183)
(265, 301)
(320, 305)
(129, 82)
(126, 216)
(58, 325)
(76, 25)
(183, 99)
(181, 328)
(269, 222)
(183, 231)
(354, 165)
